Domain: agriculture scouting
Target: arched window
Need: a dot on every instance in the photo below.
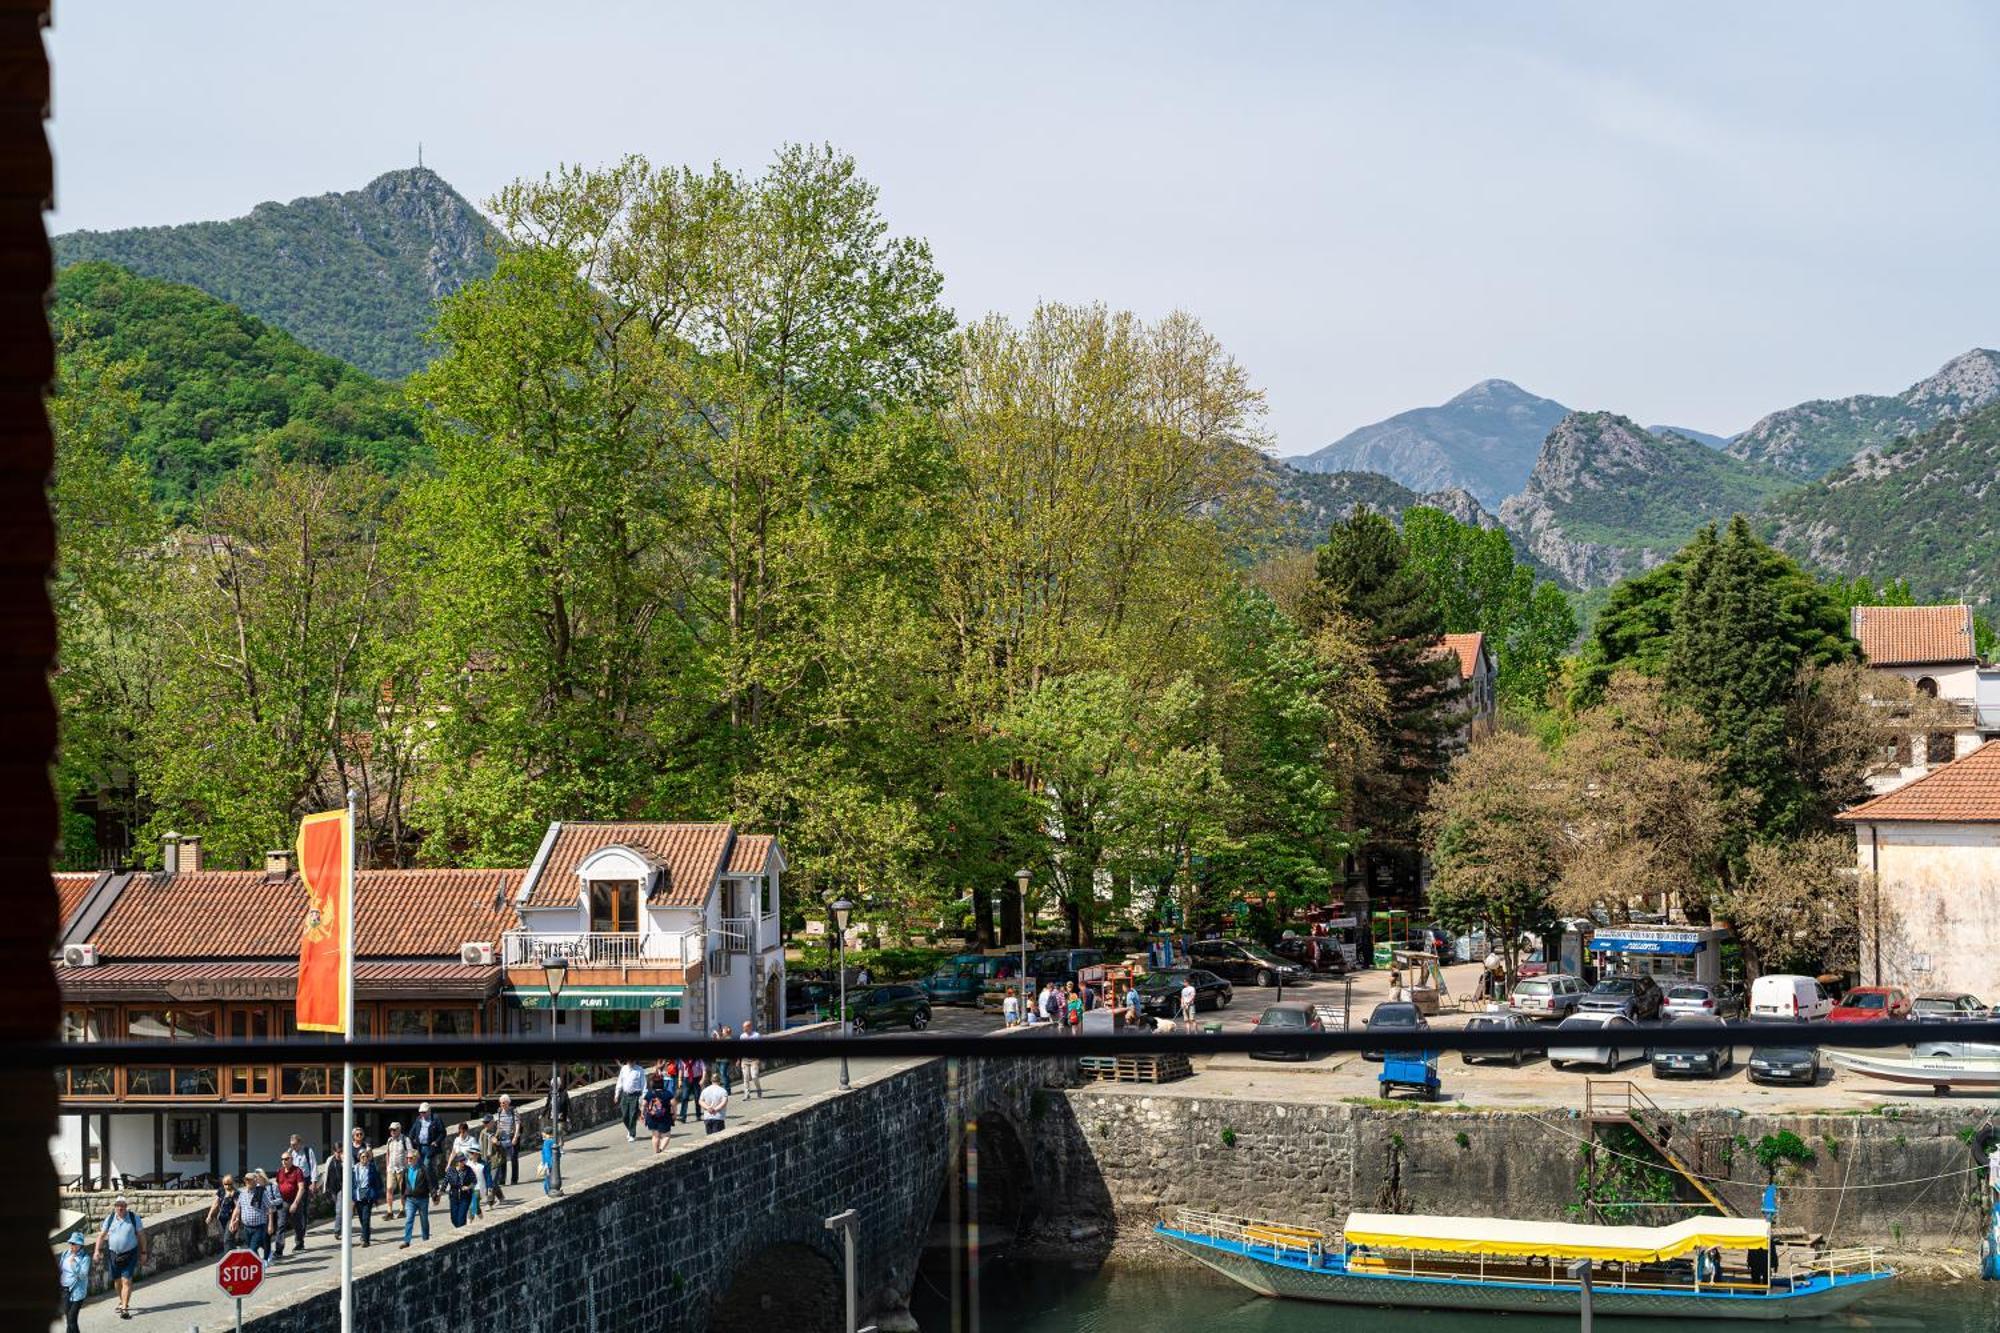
(1927, 686)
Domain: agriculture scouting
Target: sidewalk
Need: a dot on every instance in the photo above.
(188, 1298)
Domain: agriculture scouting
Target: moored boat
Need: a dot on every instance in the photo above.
(1699, 1268)
(1940, 1073)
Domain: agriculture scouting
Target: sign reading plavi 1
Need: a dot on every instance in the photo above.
(239, 1273)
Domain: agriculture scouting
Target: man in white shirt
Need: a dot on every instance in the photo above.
(631, 1087)
(714, 1105)
(1011, 1008)
(1187, 1004)
(753, 1069)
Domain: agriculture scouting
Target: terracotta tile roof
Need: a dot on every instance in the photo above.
(1913, 635)
(378, 977)
(693, 854)
(70, 888)
(752, 854)
(244, 914)
(1466, 647)
(1964, 791)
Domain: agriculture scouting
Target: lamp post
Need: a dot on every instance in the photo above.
(841, 908)
(557, 971)
(1021, 877)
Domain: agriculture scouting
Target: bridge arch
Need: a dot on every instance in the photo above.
(1008, 1199)
(787, 1286)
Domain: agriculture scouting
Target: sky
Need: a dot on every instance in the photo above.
(1690, 213)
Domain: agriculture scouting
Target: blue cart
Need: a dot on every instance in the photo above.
(1411, 1069)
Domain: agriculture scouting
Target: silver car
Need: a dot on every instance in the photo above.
(1948, 1007)
(1554, 996)
(1605, 1040)
(1693, 997)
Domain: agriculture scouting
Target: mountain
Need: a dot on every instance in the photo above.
(1309, 503)
(353, 275)
(216, 387)
(1483, 441)
(1698, 436)
(1608, 498)
(1813, 438)
(1926, 509)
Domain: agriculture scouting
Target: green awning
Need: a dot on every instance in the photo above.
(599, 997)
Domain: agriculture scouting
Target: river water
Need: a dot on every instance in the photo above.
(1053, 1298)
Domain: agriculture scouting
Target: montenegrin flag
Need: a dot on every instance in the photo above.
(326, 864)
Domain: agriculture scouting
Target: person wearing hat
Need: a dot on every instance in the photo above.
(75, 1280)
(427, 1136)
(492, 1158)
(252, 1219)
(507, 1127)
(396, 1156)
(123, 1236)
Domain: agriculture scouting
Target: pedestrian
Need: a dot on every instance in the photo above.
(295, 1192)
(252, 1222)
(461, 1188)
(1073, 1011)
(123, 1237)
(75, 1279)
(492, 1158)
(1188, 998)
(551, 1165)
(1010, 1009)
(714, 1105)
(331, 1172)
(396, 1155)
(418, 1186)
(427, 1132)
(692, 1074)
(466, 1148)
(1132, 1013)
(753, 1069)
(367, 1176)
(222, 1209)
(631, 1087)
(659, 1113)
(306, 1158)
(1052, 1003)
(507, 1131)
(720, 1068)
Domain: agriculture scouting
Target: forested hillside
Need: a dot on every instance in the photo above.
(355, 275)
(215, 388)
(1812, 439)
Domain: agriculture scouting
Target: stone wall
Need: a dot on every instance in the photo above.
(1123, 1160)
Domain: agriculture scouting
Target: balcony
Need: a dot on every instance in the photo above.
(601, 949)
(736, 934)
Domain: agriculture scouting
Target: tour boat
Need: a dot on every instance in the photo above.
(1699, 1268)
(1940, 1073)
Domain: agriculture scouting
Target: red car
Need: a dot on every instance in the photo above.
(1871, 1004)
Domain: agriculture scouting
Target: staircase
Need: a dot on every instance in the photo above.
(1617, 1101)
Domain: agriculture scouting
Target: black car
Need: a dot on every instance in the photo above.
(1314, 953)
(1501, 1022)
(1638, 998)
(1394, 1016)
(1691, 1044)
(1288, 1017)
(1773, 1061)
(1062, 965)
(890, 1007)
(811, 997)
(1243, 962)
(1160, 992)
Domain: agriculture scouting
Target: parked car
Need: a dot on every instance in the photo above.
(1948, 1007)
(1315, 953)
(1955, 1050)
(1688, 1044)
(1062, 965)
(1535, 964)
(811, 997)
(1603, 1039)
(1871, 1004)
(1244, 963)
(1691, 997)
(1394, 1016)
(964, 978)
(1500, 1022)
(1554, 996)
(1787, 995)
(1288, 1017)
(1160, 992)
(1774, 1060)
(902, 1005)
(1637, 998)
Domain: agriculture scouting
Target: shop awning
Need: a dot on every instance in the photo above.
(1499, 1236)
(598, 997)
(1612, 942)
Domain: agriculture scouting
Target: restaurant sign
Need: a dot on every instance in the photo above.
(232, 988)
(599, 997)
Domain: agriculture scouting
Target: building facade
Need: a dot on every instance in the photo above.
(1932, 647)
(1478, 683)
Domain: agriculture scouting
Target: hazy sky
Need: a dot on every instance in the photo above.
(1688, 213)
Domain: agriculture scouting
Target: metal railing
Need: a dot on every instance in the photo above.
(1854, 1259)
(1278, 1237)
(626, 948)
(736, 933)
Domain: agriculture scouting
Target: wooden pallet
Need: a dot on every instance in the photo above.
(1136, 1068)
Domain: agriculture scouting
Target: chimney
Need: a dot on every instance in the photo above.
(278, 863)
(170, 853)
(191, 855)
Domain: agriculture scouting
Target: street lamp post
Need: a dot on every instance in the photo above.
(1021, 877)
(557, 971)
(841, 908)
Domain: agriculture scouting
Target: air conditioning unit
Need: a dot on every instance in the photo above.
(476, 953)
(80, 955)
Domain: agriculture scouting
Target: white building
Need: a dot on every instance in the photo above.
(1478, 683)
(1932, 648)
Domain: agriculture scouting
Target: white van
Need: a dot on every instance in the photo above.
(1783, 995)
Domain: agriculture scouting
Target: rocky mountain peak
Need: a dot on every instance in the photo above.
(1967, 381)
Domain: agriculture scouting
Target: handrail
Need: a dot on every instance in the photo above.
(1853, 1259)
(1278, 1237)
(532, 948)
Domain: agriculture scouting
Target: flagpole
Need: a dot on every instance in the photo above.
(345, 1147)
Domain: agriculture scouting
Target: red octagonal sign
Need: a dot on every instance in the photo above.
(239, 1273)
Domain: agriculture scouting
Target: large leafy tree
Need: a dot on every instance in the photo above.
(1479, 585)
(1498, 833)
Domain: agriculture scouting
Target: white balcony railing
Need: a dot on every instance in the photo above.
(736, 934)
(528, 948)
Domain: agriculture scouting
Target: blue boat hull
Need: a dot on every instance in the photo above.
(1290, 1275)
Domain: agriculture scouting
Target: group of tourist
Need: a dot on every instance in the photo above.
(670, 1092)
(1066, 1005)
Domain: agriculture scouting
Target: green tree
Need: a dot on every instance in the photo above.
(1480, 586)
(1498, 832)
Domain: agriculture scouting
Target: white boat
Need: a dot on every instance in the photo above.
(1699, 1268)
(1940, 1073)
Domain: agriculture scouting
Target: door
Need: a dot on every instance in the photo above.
(614, 906)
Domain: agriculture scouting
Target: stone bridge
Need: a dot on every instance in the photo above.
(729, 1234)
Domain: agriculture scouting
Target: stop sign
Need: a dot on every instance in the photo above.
(239, 1273)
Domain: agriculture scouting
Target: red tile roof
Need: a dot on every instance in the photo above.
(1466, 647)
(1913, 635)
(244, 914)
(752, 854)
(1964, 791)
(70, 888)
(693, 854)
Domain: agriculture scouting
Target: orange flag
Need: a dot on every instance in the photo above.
(325, 972)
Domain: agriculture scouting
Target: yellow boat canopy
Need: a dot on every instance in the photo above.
(1500, 1236)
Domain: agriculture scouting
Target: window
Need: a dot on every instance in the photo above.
(415, 1080)
(1927, 687)
(187, 1136)
(167, 1026)
(614, 906)
(87, 1025)
(250, 1024)
(324, 1081)
(770, 895)
(614, 1022)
